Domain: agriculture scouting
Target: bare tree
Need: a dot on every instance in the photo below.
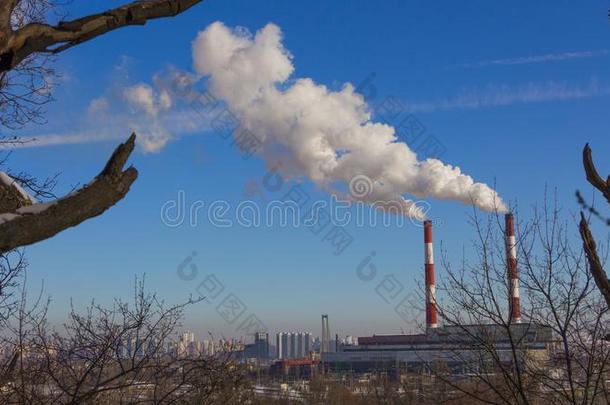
(116, 354)
(558, 352)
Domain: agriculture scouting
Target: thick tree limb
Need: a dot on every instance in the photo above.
(11, 199)
(592, 176)
(6, 8)
(15, 46)
(595, 264)
(33, 223)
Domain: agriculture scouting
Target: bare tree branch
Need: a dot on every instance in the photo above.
(33, 223)
(44, 38)
(595, 264)
(6, 9)
(592, 176)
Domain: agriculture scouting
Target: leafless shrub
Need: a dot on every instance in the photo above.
(116, 354)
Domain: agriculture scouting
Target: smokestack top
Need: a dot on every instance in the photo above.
(510, 224)
(427, 231)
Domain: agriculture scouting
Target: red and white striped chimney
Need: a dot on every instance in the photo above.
(429, 268)
(513, 273)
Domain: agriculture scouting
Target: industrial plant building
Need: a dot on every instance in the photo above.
(459, 348)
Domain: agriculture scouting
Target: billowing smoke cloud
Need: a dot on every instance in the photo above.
(325, 135)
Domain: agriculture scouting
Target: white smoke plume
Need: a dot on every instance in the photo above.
(325, 135)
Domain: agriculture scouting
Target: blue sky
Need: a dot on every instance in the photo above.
(512, 90)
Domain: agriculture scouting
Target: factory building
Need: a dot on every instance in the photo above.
(453, 346)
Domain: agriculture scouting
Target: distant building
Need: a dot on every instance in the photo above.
(208, 347)
(294, 369)
(260, 348)
(350, 340)
(283, 345)
(293, 345)
(306, 338)
(452, 345)
(188, 337)
(187, 346)
(261, 342)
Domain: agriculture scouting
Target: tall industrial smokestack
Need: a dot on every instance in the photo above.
(513, 273)
(429, 268)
